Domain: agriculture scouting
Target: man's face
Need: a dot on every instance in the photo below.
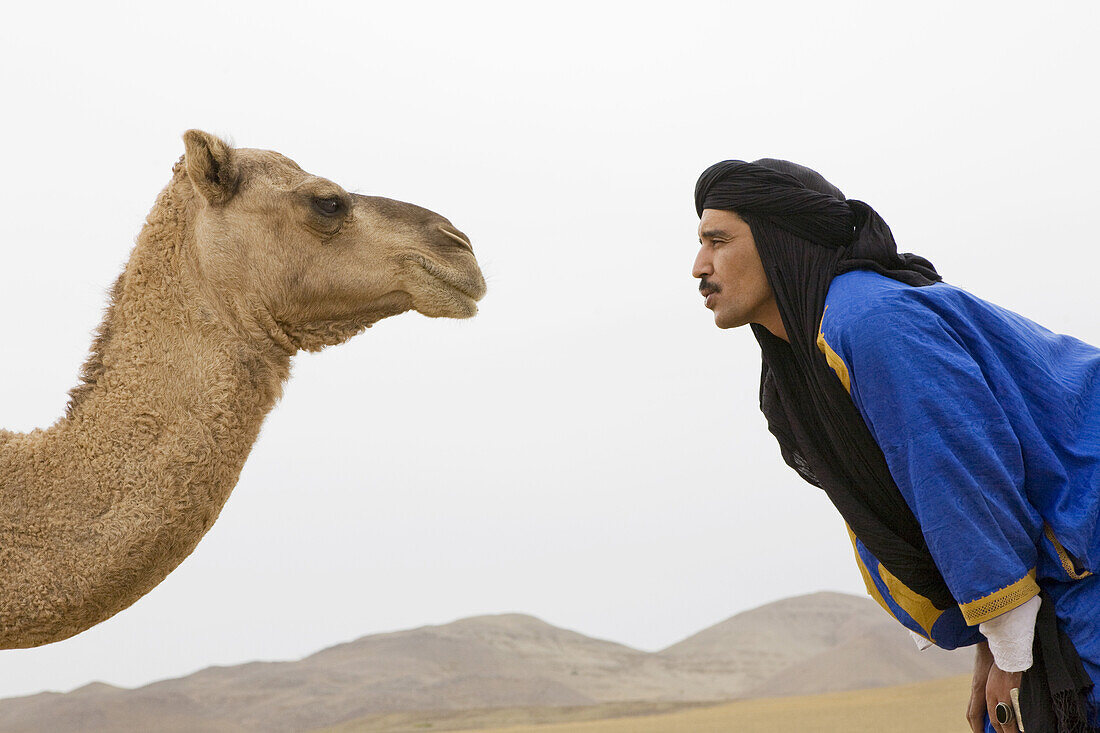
(731, 277)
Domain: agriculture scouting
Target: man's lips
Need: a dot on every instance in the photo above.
(708, 292)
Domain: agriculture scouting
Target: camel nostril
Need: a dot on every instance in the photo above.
(457, 236)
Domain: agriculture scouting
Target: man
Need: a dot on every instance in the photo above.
(959, 441)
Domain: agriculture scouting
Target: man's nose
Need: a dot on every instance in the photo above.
(702, 265)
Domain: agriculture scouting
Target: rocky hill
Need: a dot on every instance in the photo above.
(816, 643)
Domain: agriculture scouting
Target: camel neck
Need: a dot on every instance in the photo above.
(104, 504)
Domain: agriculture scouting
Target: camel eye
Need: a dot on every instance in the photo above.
(328, 206)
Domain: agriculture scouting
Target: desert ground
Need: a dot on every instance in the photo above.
(922, 707)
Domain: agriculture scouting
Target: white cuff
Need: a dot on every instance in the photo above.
(920, 641)
(1011, 634)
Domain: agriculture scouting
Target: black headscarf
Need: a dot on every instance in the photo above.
(806, 233)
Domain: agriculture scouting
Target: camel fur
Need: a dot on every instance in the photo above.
(244, 260)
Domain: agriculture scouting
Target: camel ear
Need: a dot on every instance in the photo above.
(211, 166)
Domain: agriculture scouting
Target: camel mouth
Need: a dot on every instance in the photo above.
(443, 291)
(461, 283)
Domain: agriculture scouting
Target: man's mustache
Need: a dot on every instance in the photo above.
(706, 287)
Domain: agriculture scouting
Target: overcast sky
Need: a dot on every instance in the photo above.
(588, 449)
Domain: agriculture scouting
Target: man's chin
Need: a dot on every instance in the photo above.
(726, 321)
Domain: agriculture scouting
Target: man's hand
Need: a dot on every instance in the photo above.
(997, 689)
(990, 686)
(975, 711)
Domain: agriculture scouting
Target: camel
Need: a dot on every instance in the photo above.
(244, 260)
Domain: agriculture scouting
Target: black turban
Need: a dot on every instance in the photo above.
(801, 202)
(816, 213)
(806, 233)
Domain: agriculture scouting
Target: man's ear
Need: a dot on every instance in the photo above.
(211, 166)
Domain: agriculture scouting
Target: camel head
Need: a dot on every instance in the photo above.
(298, 253)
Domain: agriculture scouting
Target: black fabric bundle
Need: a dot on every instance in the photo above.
(807, 233)
(1053, 691)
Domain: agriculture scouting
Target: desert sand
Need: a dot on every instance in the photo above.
(923, 707)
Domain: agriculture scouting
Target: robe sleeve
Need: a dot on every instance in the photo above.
(950, 448)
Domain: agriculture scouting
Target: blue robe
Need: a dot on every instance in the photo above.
(990, 425)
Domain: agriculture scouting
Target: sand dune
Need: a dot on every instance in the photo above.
(816, 643)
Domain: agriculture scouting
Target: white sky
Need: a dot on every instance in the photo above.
(588, 449)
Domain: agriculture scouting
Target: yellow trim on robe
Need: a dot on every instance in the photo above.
(998, 602)
(919, 608)
(832, 358)
(872, 589)
(1063, 556)
(914, 604)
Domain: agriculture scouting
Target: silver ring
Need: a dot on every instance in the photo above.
(1004, 713)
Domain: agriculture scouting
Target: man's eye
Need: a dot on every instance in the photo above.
(327, 206)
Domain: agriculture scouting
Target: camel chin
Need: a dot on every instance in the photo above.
(443, 304)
